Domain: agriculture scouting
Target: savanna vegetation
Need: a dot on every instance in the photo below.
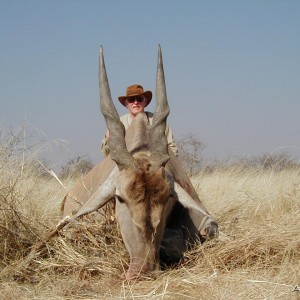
(256, 256)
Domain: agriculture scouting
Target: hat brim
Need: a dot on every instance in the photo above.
(147, 94)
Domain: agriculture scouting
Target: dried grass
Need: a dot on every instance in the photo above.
(257, 255)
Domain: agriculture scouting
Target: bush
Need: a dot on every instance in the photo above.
(275, 162)
(189, 152)
(76, 167)
(267, 162)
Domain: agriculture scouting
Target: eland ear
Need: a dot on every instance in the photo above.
(186, 200)
(206, 225)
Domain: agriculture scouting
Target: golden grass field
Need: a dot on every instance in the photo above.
(256, 256)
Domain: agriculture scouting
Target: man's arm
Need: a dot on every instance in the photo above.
(171, 141)
(104, 144)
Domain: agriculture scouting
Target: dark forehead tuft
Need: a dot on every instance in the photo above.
(147, 182)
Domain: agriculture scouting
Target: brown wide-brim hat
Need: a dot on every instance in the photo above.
(136, 90)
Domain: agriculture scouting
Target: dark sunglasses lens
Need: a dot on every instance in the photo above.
(138, 99)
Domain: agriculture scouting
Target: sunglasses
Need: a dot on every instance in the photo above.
(136, 98)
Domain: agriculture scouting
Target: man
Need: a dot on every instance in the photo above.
(135, 101)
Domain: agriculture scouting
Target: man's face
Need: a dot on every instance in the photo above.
(136, 104)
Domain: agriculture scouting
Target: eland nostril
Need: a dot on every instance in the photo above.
(210, 231)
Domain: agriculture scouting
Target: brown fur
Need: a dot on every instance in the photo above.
(145, 191)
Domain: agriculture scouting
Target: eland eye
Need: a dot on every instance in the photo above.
(119, 199)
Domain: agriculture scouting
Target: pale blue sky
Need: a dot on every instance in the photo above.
(232, 69)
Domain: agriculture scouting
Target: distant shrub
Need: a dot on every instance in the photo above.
(189, 152)
(76, 167)
(275, 162)
(267, 162)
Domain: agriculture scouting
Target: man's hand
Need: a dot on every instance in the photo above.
(107, 134)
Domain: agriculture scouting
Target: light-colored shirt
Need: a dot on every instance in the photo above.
(127, 119)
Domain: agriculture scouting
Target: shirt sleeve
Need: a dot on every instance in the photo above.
(104, 147)
(171, 141)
